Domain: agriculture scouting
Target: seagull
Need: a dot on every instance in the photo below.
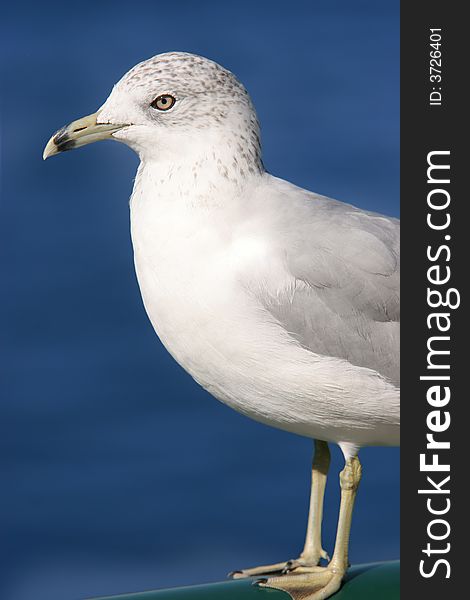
(280, 302)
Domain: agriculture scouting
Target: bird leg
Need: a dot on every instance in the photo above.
(318, 583)
(313, 550)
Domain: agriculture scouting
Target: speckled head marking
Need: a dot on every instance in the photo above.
(211, 109)
(189, 73)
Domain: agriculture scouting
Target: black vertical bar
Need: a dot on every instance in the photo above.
(435, 252)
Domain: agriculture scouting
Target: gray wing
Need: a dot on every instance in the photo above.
(345, 301)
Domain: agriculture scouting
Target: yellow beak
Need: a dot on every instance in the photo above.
(79, 133)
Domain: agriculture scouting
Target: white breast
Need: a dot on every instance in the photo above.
(192, 268)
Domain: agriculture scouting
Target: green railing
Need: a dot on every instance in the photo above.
(374, 581)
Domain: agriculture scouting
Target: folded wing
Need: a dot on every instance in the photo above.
(343, 300)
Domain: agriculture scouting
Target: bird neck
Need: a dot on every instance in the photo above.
(205, 178)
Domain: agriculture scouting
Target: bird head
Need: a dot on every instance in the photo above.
(169, 106)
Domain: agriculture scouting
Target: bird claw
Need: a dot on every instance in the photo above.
(235, 574)
(296, 565)
(317, 584)
(293, 565)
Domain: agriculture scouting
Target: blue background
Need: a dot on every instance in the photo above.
(118, 472)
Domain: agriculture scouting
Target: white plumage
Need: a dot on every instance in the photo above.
(281, 303)
(249, 293)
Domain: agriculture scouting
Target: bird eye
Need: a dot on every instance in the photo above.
(163, 102)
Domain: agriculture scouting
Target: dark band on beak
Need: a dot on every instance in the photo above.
(79, 133)
(62, 140)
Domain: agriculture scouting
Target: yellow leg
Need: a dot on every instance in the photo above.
(313, 550)
(318, 583)
(349, 478)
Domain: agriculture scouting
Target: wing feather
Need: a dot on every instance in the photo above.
(345, 297)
